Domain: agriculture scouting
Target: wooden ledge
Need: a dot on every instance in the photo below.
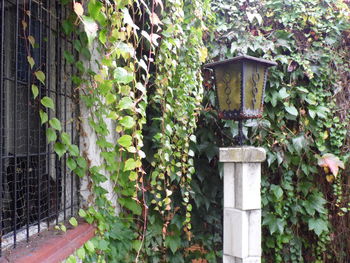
(50, 247)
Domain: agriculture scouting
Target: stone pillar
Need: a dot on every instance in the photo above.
(242, 204)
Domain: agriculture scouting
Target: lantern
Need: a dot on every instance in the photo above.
(240, 84)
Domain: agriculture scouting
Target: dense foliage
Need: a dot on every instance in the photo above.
(138, 77)
(306, 120)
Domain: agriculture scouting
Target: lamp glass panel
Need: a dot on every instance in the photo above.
(254, 87)
(228, 85)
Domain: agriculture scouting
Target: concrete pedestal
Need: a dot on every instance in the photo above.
(242, 204)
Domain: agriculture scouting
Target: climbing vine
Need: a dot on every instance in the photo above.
(137, 62)
(305, 124)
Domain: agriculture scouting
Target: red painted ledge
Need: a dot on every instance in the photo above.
(50, 247)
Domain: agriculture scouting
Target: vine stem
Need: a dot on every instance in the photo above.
(142, 176)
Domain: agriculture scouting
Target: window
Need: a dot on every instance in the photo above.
(36, 188)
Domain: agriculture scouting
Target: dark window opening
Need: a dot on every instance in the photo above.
(36, 187)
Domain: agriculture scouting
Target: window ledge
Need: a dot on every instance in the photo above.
(50, 247)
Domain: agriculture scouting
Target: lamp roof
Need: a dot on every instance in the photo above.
(268, 63)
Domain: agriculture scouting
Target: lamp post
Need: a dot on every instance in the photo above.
(240, 84)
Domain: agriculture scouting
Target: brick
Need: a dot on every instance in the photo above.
(254, 233)
(229, 185)
(247, 179)
(248, 260)
(236, 233)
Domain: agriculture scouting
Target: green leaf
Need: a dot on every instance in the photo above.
(43, 116)
(110, 98)
(299, 143)
(130, 164)
(81, 253)
(125, 103)
(90, 246)
(69, 57)
(130, 204)
(128, 122)
(275, 224)
(60, 149)
(73, 150)
(173, 242)
(71, 163)
(65, 137)
(82, 162)
(35, 91)
(82, 213)
(55, 123)
(73, 221)
(277, 191)
(125, 141)
(122, 76)
(31, 61)
(292, 110)
(318, 225)
(48, 103)
(40, 76)
(51, 135)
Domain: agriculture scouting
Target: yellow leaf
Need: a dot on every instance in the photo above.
(325, 135)
(31, 40)
(203, 53)
(78, 9)
(330, 178)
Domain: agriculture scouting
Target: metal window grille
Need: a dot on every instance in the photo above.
(36, 188)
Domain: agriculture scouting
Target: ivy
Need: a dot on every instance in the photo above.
(301, 121)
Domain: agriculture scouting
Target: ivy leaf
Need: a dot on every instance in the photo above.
(130, 164)
(82, 213)
(292, 110)
(130, 204)
(40, 76)
(31, 40)
(55, 123)
(65, 137)
(31, 61)
(48, 103)
(128, 122)
(90, 28)
(125, 141)
(173, 242)
(82, 162)
(299, 143)
(128, 20)
(73, 150)
(155, 19)
(121, 75)
(125, 103)
(73, 221)
(71, 163)
(332, 162)
(78, 9)
(275, 224)
(43, 116)
(277, 191)
(51, 135)
(81, 253)
(60, 149)
(90, 246)
(110, 98)
(35, 91)
(318, 225)
(69, 57)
